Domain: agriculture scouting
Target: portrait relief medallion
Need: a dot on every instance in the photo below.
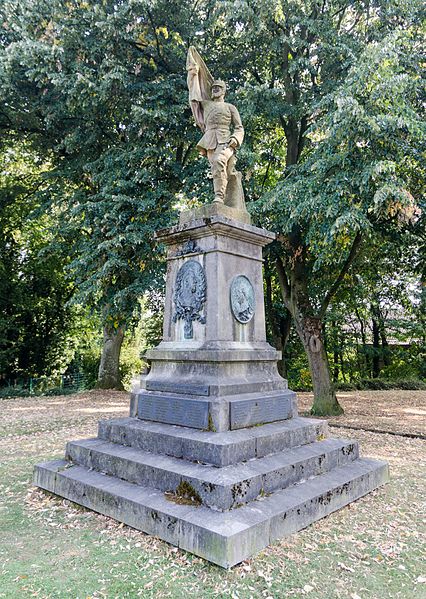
(243, 303)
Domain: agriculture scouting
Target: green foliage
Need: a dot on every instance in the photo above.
(364, 168)
(330, 94)
(100, 87)
(36, 325)
(382, 385)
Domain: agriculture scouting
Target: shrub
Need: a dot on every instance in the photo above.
(341, 386)
(383, 384)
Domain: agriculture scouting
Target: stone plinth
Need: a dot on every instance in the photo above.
(214, 369)
(213, 458)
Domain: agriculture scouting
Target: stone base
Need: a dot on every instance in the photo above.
(210, 414)
(249, 486)
(215, 209)
(219, 387)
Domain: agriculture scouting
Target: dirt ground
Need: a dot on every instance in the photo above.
(394, 411)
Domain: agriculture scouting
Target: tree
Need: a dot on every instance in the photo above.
(100, 87)
(335, 103)
(330, 110)
(354, 183)
(36, 324)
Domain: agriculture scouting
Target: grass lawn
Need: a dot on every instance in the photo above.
(51, 548)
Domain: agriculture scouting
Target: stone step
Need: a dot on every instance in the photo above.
(218, 449)
(223, 538)
(220, 488)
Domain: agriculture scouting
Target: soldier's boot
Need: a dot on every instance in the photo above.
(219, 186)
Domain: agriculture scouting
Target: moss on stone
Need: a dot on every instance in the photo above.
(185, 494)
(211, 427)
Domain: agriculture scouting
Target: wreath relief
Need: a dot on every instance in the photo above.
(189, 296)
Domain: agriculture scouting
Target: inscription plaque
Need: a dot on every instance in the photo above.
(258, 411)
(173, 410)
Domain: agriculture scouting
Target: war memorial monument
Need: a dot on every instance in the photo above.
(213, 458)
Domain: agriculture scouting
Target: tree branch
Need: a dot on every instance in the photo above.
(284, 282)
(157, 41)
(349, 260)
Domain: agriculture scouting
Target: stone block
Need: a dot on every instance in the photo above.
(218, 449)
(221, 488)
(261, 410)
(174, 410)
(276, 437)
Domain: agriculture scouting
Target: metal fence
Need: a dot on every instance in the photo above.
(74, 381)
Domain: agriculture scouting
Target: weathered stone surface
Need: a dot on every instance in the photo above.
(174, 410)
(177, 388)
(260, 410)
(210, 210)
(217, 415)
(206, 351)
(221, 488)
(256, 483)
(218, 449)
(226, 248)
(224, 539)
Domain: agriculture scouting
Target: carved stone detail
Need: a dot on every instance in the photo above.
(189, 247)
(190, 295)
(243, 303)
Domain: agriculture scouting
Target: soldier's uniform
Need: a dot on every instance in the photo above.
(219, 118)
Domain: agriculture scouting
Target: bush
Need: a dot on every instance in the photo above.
(8, 392)
(61, 391)
(341, 386)
(383, 384)
(410, 385)
(374, 385)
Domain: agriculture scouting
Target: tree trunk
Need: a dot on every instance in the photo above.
(309, 329)
(376, 348)
(365, 370)
(279, 325)
(385, 353)
(325, 400)
(342, 362)
(109, 368)
(334, 338)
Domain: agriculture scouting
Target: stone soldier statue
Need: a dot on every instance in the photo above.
(223, 131)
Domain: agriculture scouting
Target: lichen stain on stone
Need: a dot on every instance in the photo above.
(348, 449)
(209, 487)
(211, 427)
(239, 491)
(171, 524)
(326, 498)
(67, 466)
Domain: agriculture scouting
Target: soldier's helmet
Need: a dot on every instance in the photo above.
(219, 83)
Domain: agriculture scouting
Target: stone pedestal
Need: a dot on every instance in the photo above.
(214, 369)
(213, 457)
